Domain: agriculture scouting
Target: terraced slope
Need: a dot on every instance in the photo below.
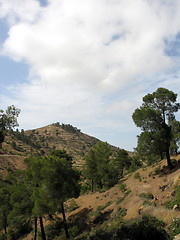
(55, 136)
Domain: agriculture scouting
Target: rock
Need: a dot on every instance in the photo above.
(175, 207)
(177, 237)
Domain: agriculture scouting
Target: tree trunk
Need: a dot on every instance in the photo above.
(169, 163)
(92, 185)
(64, 220)
(5, 223)
(43, 235)
(167, 145)
(161, 154)
(121, 172)
(35, 228)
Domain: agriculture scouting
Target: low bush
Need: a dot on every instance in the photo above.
(147, 195)
(138, 176)
(72, 205)
(145, 228)
(174, 228)
(122, 187)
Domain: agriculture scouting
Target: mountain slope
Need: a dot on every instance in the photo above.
(42, 140)
(156, 180)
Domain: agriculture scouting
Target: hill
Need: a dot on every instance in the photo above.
(55, 136)
(20, 144)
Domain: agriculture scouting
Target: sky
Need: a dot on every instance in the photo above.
(87, 63)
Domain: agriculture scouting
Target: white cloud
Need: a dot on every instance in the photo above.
(16, 10)
(80, 53)
(73, 41)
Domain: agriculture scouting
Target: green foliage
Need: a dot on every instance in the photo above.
(99, 168)
(147, 195)
(175, 143)
(70, 128)
(5, 205)
(126, 193)
(54, 229)
(122, 186)
(62, 154)
(72, 205)
(174, 227)
(61, 179)
(8, 120)
(157, 170)
(150, 147)
(121, 212)
(122, 161)
(146, 228)
(27, 139)
(154, 117)
(85, 188)
(19, 217)
(39, 190)
(136, 163)
(176, 200)
(138, 176)
(96, 213)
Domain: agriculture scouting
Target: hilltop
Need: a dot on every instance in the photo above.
(20, 144)
(42, 140)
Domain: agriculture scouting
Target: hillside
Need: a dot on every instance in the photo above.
(156, 180)
(146, 191)
(40, 141)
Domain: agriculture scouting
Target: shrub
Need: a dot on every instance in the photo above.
(121, 212)
(122, 187)
(138, 176)
(176, 200)
(149, 203)
(98, 210)
(72, 205)
(157, 170)
(147, 195)
(54, 229)
(85, 188)
(175, 227)
(126, 193)
(146, 228)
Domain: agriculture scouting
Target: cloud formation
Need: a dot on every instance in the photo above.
(90, 62)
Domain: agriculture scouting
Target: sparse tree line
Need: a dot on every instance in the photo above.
(30, 140)
(67, 127)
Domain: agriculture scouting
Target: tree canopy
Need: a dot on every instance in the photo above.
(154, 117)
(38, 191)
(8, 120)
(99, 168)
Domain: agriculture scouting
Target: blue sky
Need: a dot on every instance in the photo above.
(87, 62)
